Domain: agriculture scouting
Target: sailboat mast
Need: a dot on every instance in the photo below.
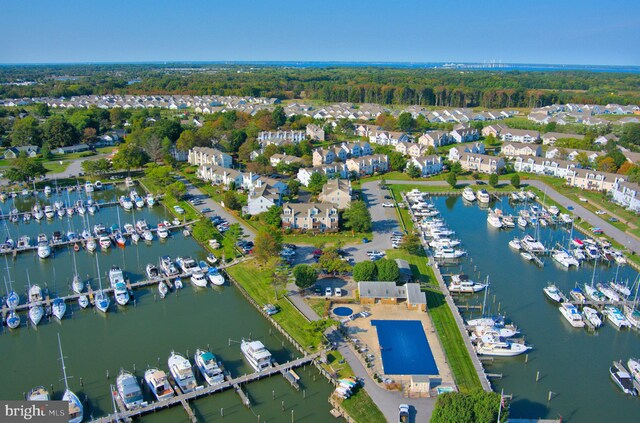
(98, 267)
(64, 369)
(595, 264)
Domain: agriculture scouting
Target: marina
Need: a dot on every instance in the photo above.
(546, 382)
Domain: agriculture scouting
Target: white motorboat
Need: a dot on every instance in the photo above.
(129, 228)
(92, 209)
(463, 285)
(508, 222)
(526, 256)
(92, 245)
(256, 354)
(83, 301)
(152, 271)
(468, 194)
(187, 265)
(591, 315)
(141, 225)
(44, 250)
(578, 295)
(39, 393)
(634, 368)
(104, 241)
(448, 253)
(150, 200)
(494, 346)
(162, 231)
(182, 372)
(215, 277)
(76, 411)
(565, 259)
(47, 190)
(167, 266)
(147, 235)
(125, 203)
(198, 279)
(554, 294)
(622, 378)
(515, 244)
(444, 243)
(532, 245)
(571, 313)
(38, 214)
(554, 210)
(483, 196)
(59, 308)
(163, 289)
(129, 390)
(158, 384)
(209, 367)
(49, 212)
(139, 202)
(13, 319)
(615, 316)
(178, 283)
(619, 257)
(135, 237)
(608, 292)
(88, 186)
(494, 220)
(593, 294)
(129, 182)
(565, 218)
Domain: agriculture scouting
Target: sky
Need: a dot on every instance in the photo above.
(583, 32)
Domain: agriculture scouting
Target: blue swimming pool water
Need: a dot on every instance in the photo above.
(405, 349)
(342, 311)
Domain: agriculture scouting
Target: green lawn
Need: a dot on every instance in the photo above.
(419, 266)
(362, 408)
(457, 355)
(318, 240)
(319, 305)
(56, 167)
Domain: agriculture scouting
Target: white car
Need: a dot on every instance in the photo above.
(387, 205)
(178, 209)
(328, 292)
(600, 212)
(584, 200)
(338, 292)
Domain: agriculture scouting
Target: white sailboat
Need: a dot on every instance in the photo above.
(36, 311)
(76, 412)
(101, 298)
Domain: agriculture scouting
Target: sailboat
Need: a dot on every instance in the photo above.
(13, 299)
(36, 312)
(76, 411)
(76, 284)
(101, 298)
(631, 312)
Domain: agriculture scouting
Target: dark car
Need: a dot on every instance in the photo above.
(206, 210)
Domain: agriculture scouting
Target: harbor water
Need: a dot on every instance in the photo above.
(572, 363)
(142, 334)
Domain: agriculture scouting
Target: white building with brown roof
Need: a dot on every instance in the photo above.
(627, 194)
(435, 139)
(480, 163)
(315, 132)
(513, 149)
(368, 165)
(519, 135)
(594, 180)
(337, 192)
(310, 217)
(428, 165)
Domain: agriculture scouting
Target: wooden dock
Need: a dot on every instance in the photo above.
(183, 399)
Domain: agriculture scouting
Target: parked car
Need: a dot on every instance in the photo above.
(206, 210)
(178, 209)
(403, 413)
(613, 219)
(328, 292)
(600, 212)
(365, 240)
(584, 200)
(338, 292)
(387, 205)
(317, 290)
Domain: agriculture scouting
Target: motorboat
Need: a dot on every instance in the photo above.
(163, 289)
(565, 218)
(527, 256)
(44, 250)
(578, 295)
(59, 308)
(515, 244)
(554, 210)
(49, 212)
(215, 277)
(608, 292)
(634, 368)
(494, 220)
(135, 237)
(503, 332)
(129, 390)
(565, 259)
(198, 279)
(571, 313)
(532, 245)
(125, 203)
(13, 319)
(448, 253)
(187, 265)
(590, 314)
(150, 200)
(554, 294)
(92, 209)
(615, 316)
(592, 252)
(209, 367)
(104, 241)
(92, 245)
(88, 186)
(38, 214)
(47, 190)
(483, 196)
(152, 271)
(129, 182)
(121, 293)
(83, 301)
(632, 315)
(619, 258)
(621, 377)
(35, 293)
(593, 294)
(76, 411)
(182, 372)
(508, 222)
(178, 283)
(444, 243)
(162, 231)
(39, 393)
(168, 267)
(147, 235)
(139, 202)
(212, 259)
(468, 194)
(256, 354)
(578, 243)
(120, 240)
(463, 285)
(129, 228)
(158, 384)
(497, 321)
(495, 346)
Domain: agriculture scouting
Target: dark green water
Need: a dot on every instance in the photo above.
(573, 363)
(145, 334)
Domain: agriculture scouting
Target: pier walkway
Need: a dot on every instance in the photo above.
(183, 399)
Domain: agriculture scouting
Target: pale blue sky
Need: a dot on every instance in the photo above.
(543, 31)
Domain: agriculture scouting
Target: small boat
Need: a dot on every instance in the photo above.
(215, 277)
(622, 378)
(554, 294)
(608, 292)
(634, 368)
(494, 220)
(620, 288)
(125, 203)
(120, 240)
(571, 313)
(554, 210)
(515, 244)
(152, 271)
(13, 319)
(182, 373)
(256, 354)
(198, 279)
(135, 237)
(105, 242)
(88, 186)
(178, 283)
(158, 384)
(162, 231)
(209, 367)
(44, 250)
(147, 235)
(83, 301)
(163, 289)
(578, 295)
(593, 294)
(468, 194)
(525, 255)
(59, 308)
(39, 393)
(47, 190)
(129, 228)
(212, 259)
(591, 315)
(129, 390)
(150, 200)
(615, 316)
(92, 245)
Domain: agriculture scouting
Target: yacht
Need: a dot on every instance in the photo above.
(554, 294)
(152, 271)
(104, 241)
(622, 378)
(444, 243)
(162, 231)
(129, 228)
(497, 321)
(44, 250)
(615, 316)
(571, 313)
(515, 244)
(13, 319)
(507, 222)
(88, 186)
(448, 253)
(593, 294)
(494, 220)
(182, 373)
(504, 332)
(147, 235)
(565, 259)
(49, 212)
(39, 393)
(532, 245)
(187, 265)
(591, 315)
(158, 384)
(126, 203)
(468, 194)
(150, 200)
(163, 289)
(483, 196)
(129, 390)
(59, 308)
(632, 315)
(256, 354)
(198, 279)
(209, 367)
(494, 346)
(554, 210)
(634, 368)
(215, 277)
(462, 284)
(92, 245)
(76, 412)
(167, 266)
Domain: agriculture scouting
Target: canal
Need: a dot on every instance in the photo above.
(573, 363)
(97, 346)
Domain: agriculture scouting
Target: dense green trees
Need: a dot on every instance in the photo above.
(387, 270)
(411, 243)
(474, 407)
(96, 167)
(305, 275)
(24, 169)
(365, 271)
(316, 182)
(515, 180)
(26, 131)
(452, 179)
(357, 217)
(129, 156)
(493, 180)
(267, 245)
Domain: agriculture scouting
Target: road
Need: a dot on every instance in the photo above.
(630, 242)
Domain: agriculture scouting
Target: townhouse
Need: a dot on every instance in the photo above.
(262, 198)
(337, 192)
(594, 180)
(545, 166)
(368, 165)
(209, 156)
(435, 139)
(387, 137)
(627, 194)
(428, 165)
(519, 135)
(333, 170)
(513, 149)
(315, 132)
(550, 138)
(283, 158)
(357, 149)
(310, 217)
(280, 137)
(571, 154)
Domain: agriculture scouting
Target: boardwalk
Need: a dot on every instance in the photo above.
(201, 392)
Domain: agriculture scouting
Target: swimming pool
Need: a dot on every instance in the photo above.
(342, 311)
(405, 348)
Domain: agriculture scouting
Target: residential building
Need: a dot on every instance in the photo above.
(357, 149)
(512, 149)
(428, 165)
(387, 137)
(519, 135)
(315, 132)
(550, 138)
(604, 139)
(417, 150)
(456, 152)
(594, 180)
(280, 137)
(218, 175)
(337, 192)
(261, 199)
(364, 130)
(283, 158)
(631, 156)
(494, 130)
(464, 133)
(478, 162)
(379, 292)
(627, 194)
(333, 170)
(78, 148)
(435, 139)
(209, 156)
(368, 165)
(310, 216)
(323, 156)
(14, 152)
(571, 154)
(545, 166)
